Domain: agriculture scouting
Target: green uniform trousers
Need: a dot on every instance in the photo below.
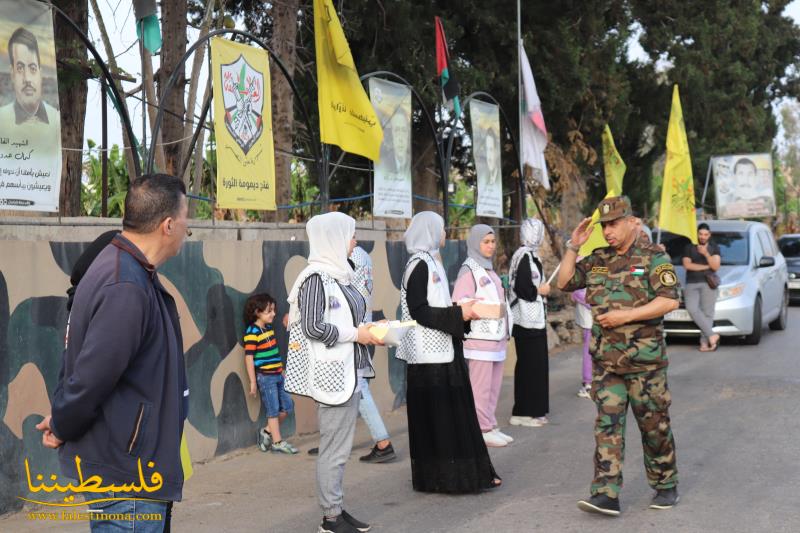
(649, 398)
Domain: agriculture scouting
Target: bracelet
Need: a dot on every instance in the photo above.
(571, 246)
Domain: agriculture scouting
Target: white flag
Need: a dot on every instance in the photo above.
(533, 133)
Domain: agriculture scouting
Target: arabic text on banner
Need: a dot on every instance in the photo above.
(743, 185)
(485, 119)
(30, 123)
(243, 126)
(392, 190)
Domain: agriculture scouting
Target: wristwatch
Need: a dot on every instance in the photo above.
(571, 246)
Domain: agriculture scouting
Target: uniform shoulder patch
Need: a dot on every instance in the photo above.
(664, 267)
(668, 278)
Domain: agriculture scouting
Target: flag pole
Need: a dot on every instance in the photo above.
(522, 203)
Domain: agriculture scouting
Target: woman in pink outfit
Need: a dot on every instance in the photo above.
(485, 345)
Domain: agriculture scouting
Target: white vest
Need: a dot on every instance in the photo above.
(328, 375)
(529, 315)
(487, 329)
(423, 345)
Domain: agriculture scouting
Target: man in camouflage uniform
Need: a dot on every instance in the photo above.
(630, 286)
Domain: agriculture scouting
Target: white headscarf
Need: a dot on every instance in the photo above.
(329, 238)
(532, 236)
(476, 235)
(424, 235)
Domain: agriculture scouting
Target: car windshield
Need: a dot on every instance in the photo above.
(790, 246)
(733, 246)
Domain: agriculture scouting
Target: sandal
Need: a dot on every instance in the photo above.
(496, 482)
(712, 347)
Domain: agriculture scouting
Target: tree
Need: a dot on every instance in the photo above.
(731, 60)
(72, 91)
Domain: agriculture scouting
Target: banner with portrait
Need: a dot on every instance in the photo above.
(243, 126)
(392, 184)
(485, 121)
(743, 185)
(30, 122)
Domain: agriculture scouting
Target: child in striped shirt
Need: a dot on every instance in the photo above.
(265, 369)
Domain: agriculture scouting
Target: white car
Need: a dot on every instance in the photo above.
(755, 285)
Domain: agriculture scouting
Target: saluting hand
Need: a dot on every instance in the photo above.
(582, 233)
(612, 319)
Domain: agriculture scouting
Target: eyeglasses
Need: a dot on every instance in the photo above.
(188, 232)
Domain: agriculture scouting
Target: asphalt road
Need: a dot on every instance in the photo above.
(737, 434)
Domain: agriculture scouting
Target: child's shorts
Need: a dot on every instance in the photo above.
(275, 399)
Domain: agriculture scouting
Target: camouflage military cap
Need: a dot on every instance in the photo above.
(614, 207)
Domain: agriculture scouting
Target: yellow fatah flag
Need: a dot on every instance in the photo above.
(242, 126)
(346, 116)
(186, 460)
(614, 168)
(676, 213)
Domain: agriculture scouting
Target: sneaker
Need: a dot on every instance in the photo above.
(358, 524)
(600, 503)
(585, 391)
(542, 420)
(313, 451)
(494, 441)
(340, 525)
(508, 438)
(264, 440)
(665, 499)
(284, 447)
(376, 455)
(526, 421)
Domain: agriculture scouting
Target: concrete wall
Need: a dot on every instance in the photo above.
(218, 268)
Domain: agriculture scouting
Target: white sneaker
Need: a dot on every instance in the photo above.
(508, 438)
(526, 421)
(542, 420)
(494, 441)
(584, 391)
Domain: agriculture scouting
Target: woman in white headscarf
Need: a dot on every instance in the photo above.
(328, 340)
(485, 347)
(527, 291)
(448, 453)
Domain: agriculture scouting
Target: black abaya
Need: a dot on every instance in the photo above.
(448, 453)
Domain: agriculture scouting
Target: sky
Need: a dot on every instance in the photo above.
(120, 23)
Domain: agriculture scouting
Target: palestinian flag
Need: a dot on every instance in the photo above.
(449, 84)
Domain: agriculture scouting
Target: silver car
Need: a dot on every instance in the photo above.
(754, 289)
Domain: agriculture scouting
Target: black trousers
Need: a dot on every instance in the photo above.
(531, 376)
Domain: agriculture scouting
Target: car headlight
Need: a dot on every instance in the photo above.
(730, 291)
(792, 275)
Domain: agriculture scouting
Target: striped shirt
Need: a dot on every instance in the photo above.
(262, 346)
(312, 315)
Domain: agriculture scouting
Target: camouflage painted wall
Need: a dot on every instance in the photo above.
(210, 280)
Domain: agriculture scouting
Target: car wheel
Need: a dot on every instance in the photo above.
(758, 324)
(779, 324)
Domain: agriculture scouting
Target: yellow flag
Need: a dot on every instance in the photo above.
(346, 116)
(614, 168)
(243, 126)
(676, 213)
(186, 460)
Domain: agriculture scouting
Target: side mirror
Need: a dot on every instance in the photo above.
(766, 262)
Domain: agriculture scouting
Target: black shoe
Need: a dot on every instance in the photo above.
(665, 499)
(358, 524)
(379, 456)
(600, 503)
(313, 451)
(340, 525)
